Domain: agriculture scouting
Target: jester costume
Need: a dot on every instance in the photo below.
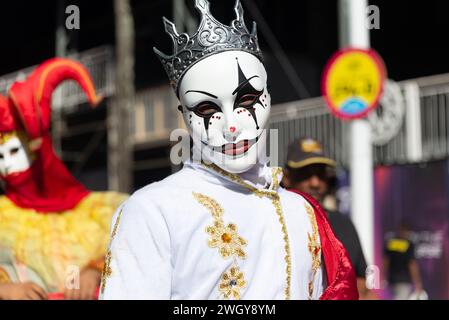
(49, 222)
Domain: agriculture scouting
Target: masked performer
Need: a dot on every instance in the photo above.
(222, 227)
(51, 226)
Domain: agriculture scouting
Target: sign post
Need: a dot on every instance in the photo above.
(352, 85)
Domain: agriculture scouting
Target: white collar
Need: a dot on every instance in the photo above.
(260, 177)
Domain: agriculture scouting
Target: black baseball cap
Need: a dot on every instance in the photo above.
(306, 151)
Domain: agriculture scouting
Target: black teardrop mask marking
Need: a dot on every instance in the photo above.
(206, 125)
(206, 118)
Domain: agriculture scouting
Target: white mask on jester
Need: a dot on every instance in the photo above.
(13, 157)
(226, 105)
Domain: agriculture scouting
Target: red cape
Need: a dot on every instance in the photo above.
(341, 279)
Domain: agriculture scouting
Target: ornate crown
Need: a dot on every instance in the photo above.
(211, 38)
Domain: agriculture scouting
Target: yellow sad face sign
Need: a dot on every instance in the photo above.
(352, 82)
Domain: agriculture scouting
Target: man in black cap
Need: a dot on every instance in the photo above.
(309, 170)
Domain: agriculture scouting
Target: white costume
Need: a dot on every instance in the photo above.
(162, 248)
(226, 229)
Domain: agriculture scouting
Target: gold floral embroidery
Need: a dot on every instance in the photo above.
(224, 237)
(313, 246)
(107, 271)
(229, 244)
(273, 195)
(232, 282)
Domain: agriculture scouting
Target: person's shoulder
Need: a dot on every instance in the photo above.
(161, 195)
(296, 199)
(292, 195)
(175, 183)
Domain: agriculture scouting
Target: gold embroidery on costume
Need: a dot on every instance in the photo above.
(229, 244)
(232, 282)
(107, 271)
(277, 204)
(273, 195)
(215, 209)
(224, 237)
(313, 246)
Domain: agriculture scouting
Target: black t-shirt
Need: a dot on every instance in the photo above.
(345, 231)
(399, 252)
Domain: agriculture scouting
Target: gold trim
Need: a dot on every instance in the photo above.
(258, 192)
(288, 270)
(107, 271)
(313, 246)
(5, 136)
(274, 196)
(309, 161)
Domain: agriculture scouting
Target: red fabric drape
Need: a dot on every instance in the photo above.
(342, 283)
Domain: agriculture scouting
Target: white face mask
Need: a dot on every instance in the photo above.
(13, 157)
(226, 106)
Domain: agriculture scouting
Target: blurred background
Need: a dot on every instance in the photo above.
(410, 128)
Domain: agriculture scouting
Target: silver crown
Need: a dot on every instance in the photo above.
(211, 38)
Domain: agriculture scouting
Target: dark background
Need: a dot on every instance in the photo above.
(412, 37)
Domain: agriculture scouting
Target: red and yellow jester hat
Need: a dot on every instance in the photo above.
(32, 97)
(7, 121)
(47, 186)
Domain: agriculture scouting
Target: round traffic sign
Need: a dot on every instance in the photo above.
(352, 82)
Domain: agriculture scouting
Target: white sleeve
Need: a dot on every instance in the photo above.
(138, 261)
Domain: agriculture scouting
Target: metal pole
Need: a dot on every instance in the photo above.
(182, 18)
(120, 142)
(354, 33)
(61, 51)
(413, 122)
